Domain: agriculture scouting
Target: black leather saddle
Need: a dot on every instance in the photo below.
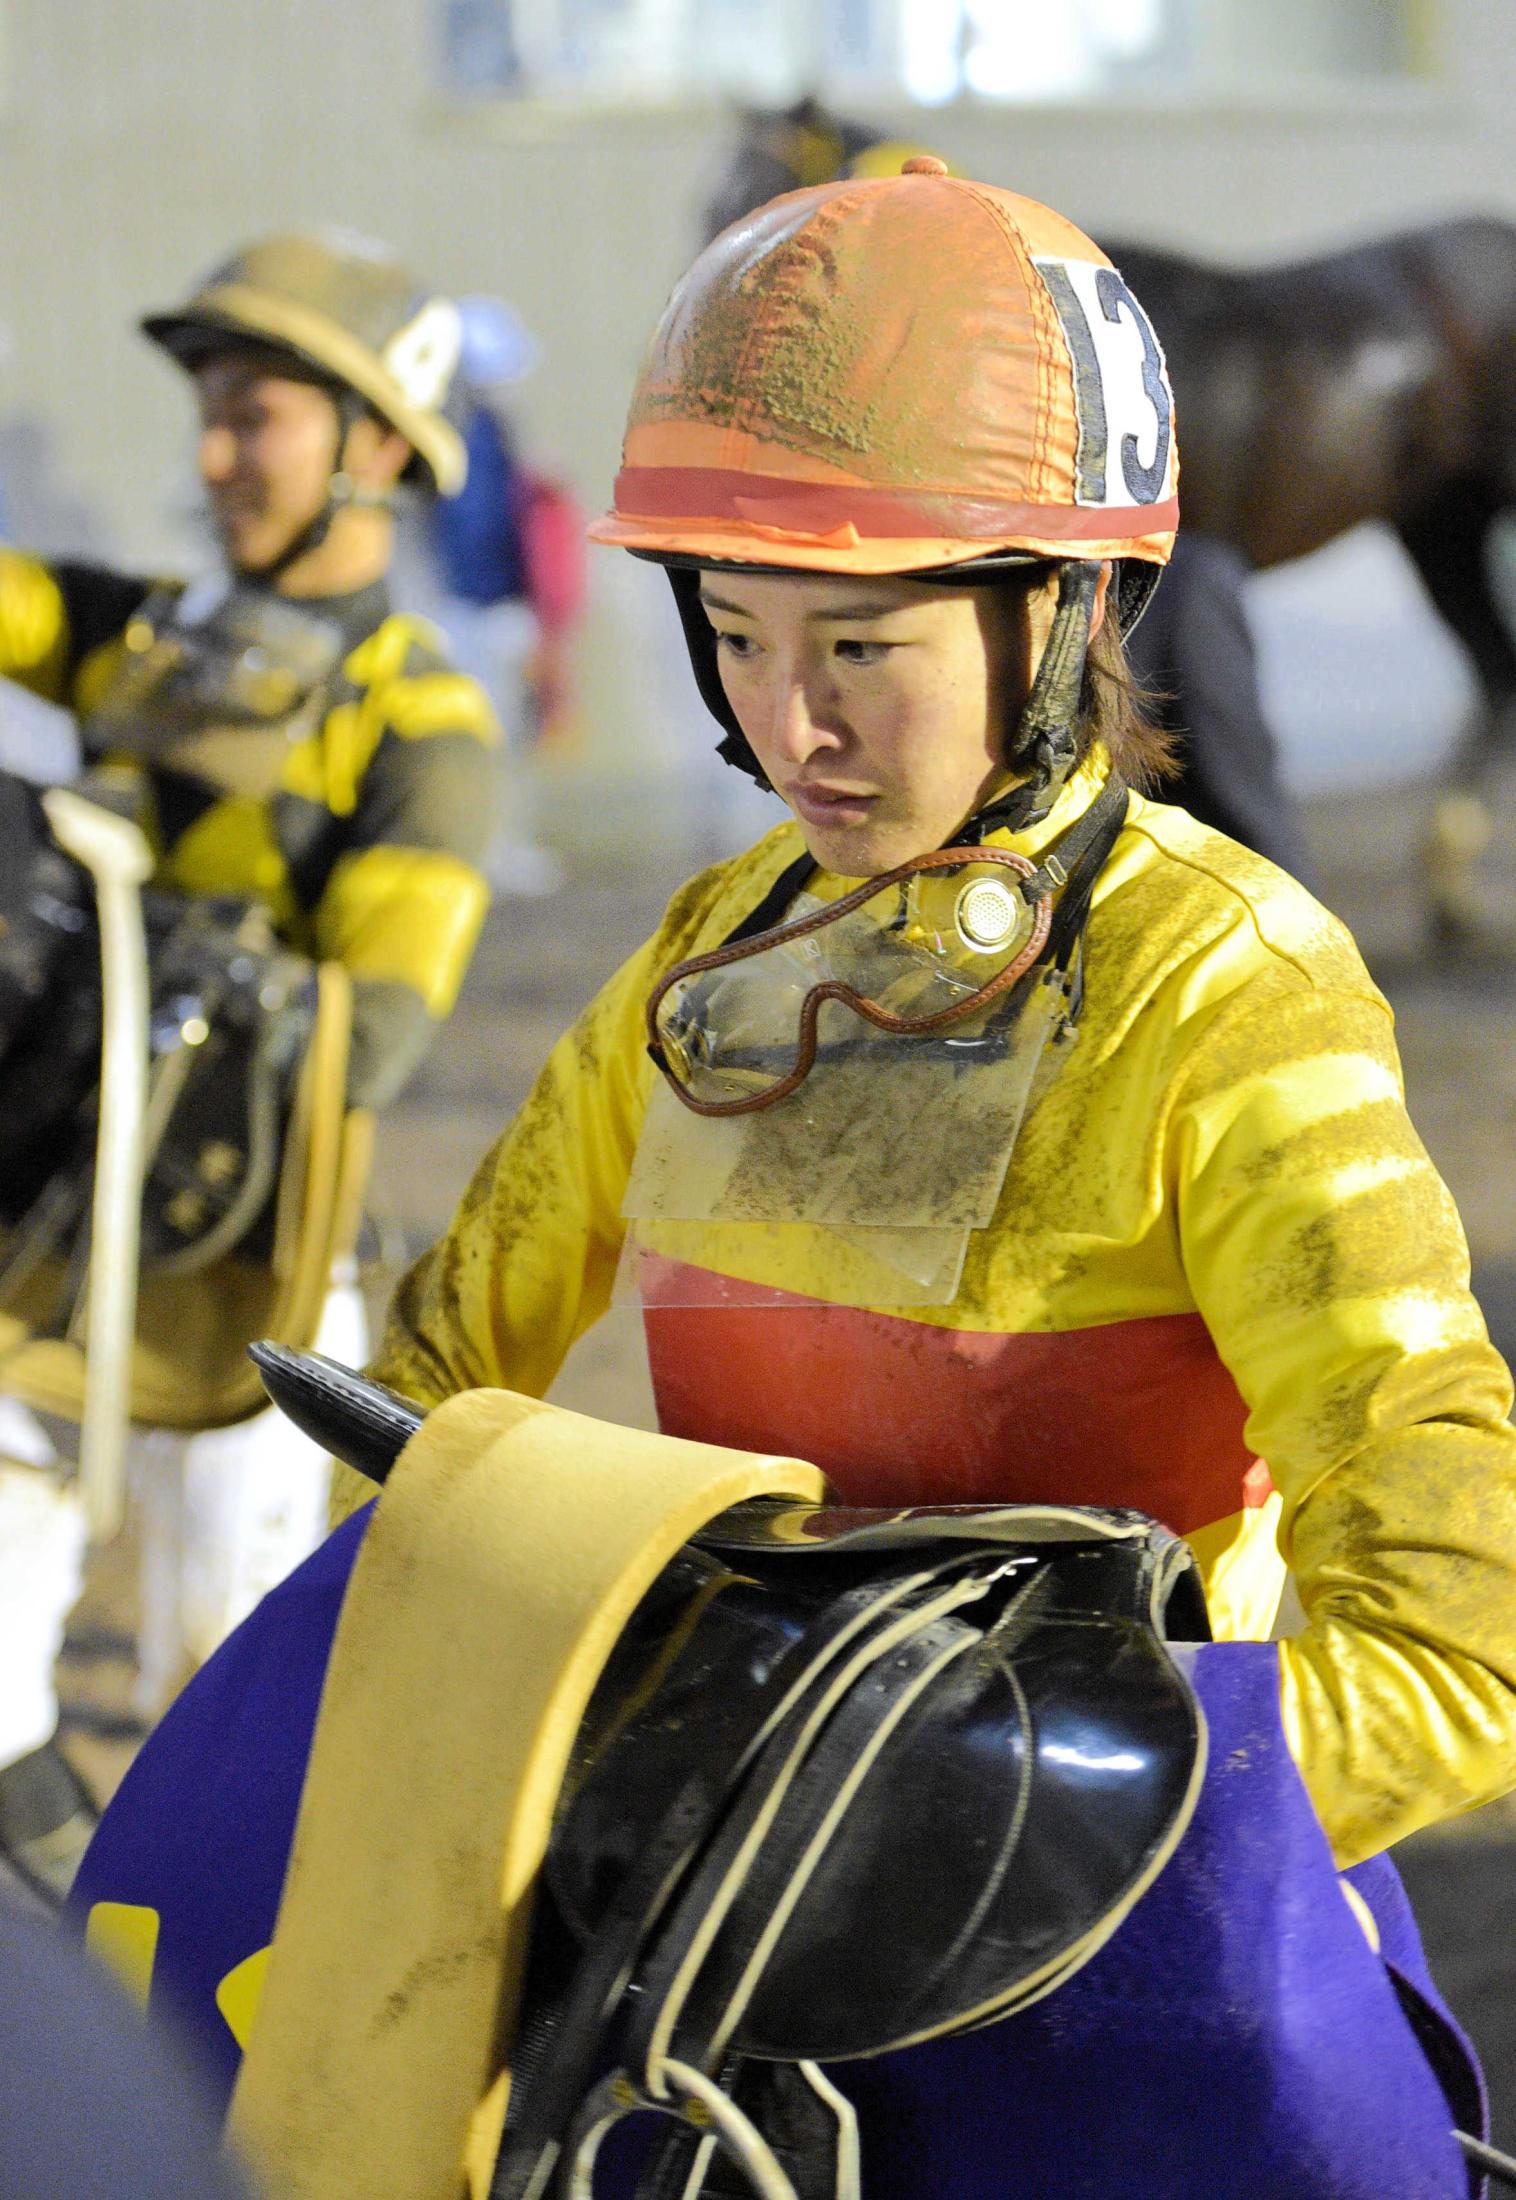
(850, 1780)
(231, 1014)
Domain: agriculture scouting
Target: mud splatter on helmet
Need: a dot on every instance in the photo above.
(915, 374)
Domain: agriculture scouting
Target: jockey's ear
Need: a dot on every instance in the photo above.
(1097, 616)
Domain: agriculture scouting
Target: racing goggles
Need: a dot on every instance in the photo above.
(929, 947)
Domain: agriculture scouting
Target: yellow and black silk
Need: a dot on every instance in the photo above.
(368, 850)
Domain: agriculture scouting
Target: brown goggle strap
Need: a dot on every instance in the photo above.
(1076, 864)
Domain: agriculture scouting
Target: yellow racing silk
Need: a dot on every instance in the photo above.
(1223, 1284)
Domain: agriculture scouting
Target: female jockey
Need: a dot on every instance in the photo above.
(990, 1132)
(905, 447)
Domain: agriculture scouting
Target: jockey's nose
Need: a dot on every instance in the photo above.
(804, 717)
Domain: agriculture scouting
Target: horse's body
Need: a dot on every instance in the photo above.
(1376, 383)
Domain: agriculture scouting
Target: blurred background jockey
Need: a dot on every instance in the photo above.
(288, 743)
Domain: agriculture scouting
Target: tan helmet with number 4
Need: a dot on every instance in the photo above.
(348, 314)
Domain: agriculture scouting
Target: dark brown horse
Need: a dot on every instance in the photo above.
(1378, 383)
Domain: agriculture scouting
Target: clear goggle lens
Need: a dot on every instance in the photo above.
(930, 947)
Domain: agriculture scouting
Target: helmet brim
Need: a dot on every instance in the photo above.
(844, 549)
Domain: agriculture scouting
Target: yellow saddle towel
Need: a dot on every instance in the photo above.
(510, 1547)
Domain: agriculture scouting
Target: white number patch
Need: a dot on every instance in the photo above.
(423, 355)
(1121, 386)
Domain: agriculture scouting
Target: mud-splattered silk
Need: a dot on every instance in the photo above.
(1223, 1284)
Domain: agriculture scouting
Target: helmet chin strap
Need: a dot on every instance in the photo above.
(341, 491)
(1044, 745)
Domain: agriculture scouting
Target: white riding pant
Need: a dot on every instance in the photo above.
(41, 1572)
(222, 1516)
(226, 1514)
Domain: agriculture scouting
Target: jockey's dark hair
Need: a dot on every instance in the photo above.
(1113, 714)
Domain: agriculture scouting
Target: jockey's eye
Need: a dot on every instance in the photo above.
(862, 653)
(740, 646)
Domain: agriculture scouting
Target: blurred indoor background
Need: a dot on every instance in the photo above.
(558, 154)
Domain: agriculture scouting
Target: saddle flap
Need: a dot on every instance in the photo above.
(931, 1795)
(956, 1811)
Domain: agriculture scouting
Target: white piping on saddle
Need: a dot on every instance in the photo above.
(728, 2125)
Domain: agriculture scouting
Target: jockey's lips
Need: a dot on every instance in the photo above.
(824, 805)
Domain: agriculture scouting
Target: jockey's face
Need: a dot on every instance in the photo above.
(268, 446)
(877, 707)
(268, 449)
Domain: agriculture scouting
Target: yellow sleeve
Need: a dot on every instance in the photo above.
(404, 916)
(34, 627)
(529, 1258)
(411, 769)
(528, 1261)
(1328, 1261)
(404, 923)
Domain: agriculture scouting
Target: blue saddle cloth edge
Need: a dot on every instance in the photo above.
(201, 1827)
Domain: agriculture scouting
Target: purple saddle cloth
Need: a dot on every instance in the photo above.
(1236, 2039)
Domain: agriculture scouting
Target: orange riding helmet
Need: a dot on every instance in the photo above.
(913, 374)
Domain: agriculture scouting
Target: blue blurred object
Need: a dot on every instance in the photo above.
(476, 536)
(94, 2104)
(497, 348)
(479, 56)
